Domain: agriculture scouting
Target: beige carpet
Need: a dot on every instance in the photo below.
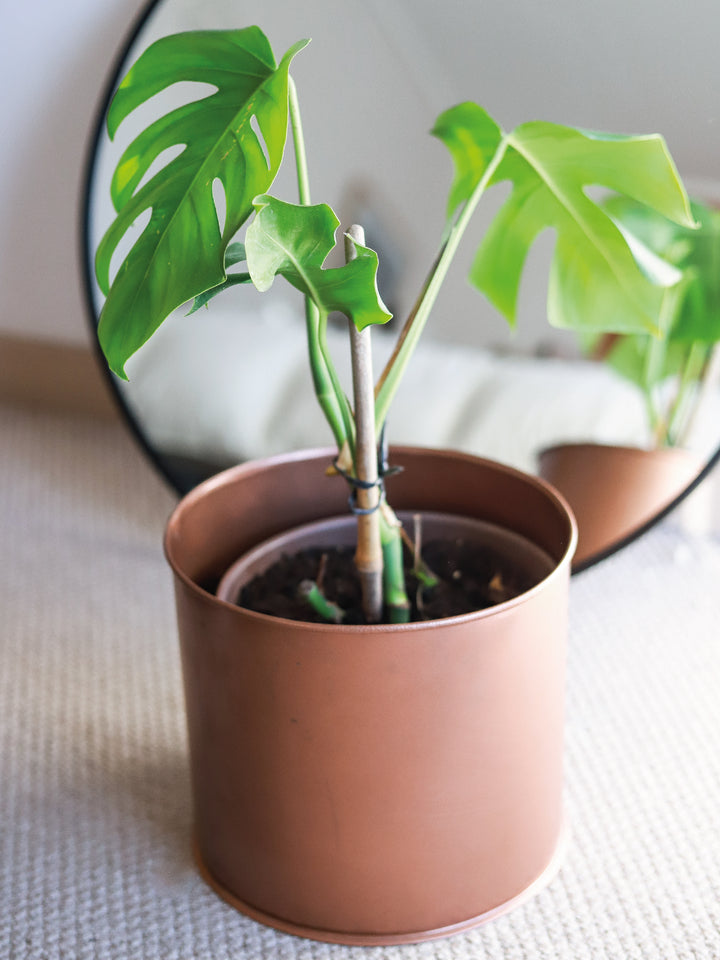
(94, 801)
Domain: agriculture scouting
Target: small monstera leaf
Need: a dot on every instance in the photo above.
(294, 241)
(181, 252)
(595, 281)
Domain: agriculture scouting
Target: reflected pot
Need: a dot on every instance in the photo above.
(615, 490)
(372, 784)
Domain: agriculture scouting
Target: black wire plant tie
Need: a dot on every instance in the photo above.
(384, 470)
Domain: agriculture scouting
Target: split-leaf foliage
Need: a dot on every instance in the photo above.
(236, 136)
(670, 369)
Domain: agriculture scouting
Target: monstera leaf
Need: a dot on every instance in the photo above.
(696, 253)
(595, 281)
(473, 139)
(294, 241)
(236, 135)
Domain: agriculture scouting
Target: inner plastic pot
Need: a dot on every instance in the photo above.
(373, 784)
(511, 548)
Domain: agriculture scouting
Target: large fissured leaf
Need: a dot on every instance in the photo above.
(595, 281)
(294, 241)
(181, 252)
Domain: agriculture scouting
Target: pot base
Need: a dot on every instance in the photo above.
(391, 939)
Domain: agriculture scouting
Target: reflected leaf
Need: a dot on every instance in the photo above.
(595, 281)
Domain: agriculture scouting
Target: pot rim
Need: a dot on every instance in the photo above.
(348, 630)
(628, 449)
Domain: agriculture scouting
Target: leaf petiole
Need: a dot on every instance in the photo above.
(325, 381)
(392, 374)
(309, 591)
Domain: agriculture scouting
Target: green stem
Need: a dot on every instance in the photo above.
(656, 360)
(338, 393)
(324, 383)
(397, 603)
(301, 165)
(309, 591)
(707, 383)
(415, 323)
(420, 569)
(691, 371)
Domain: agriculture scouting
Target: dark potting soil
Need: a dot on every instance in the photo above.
(471, 577)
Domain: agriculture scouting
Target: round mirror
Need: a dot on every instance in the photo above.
(231, 382)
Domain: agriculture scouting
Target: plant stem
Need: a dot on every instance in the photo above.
(310, 592)
(420, 569)
(368, 556)
(301, 165)
(396, 598)
(690, 374)
(390, 378)
(325, 388)
(321, 381)
(348, 423)
(708, 381)
(656, 360)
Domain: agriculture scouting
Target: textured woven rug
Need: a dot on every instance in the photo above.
(94, 797)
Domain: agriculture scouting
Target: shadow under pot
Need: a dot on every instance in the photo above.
(373, 784)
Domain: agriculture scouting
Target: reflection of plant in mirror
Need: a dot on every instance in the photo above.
(675, 369)
(235, 137)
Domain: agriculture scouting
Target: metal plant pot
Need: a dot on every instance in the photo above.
(372, 784)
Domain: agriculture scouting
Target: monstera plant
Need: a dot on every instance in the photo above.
(233, 137)
(673, 370)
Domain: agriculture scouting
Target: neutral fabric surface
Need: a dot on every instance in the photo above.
(94, 799)
(475, 393)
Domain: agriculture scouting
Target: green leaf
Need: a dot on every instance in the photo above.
(235, 253)
(294, 241)
(694, 252)
(232, 280)
(595, 281)
(473, 138)
(181, 252)
(647, 360)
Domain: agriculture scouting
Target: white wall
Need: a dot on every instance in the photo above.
(641, 66)
(54, 61)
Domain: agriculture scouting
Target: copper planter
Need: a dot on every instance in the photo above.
(376, 784)
(615, 490)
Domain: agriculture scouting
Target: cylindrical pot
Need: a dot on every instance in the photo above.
(372, 784)
(615, 490)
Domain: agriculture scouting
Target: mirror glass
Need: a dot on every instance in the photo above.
(231, 383)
